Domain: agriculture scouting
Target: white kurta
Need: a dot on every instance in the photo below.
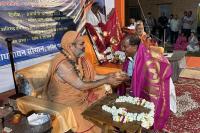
(193, 44)
(95, 20)
(193, 48)
(172, 94)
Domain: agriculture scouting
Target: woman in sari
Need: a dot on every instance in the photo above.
(181, 42)
(150, 72)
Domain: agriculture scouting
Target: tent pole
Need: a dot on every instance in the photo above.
(10, 50)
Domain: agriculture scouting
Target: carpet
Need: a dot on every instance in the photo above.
(190, 73)
(187, 118)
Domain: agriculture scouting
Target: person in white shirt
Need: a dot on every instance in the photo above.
(132, 24)
(168, 30)
(174, 28)
(94, 16)
(182, 19)
(187, 24)
(193, 44)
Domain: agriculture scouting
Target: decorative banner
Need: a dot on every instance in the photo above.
(36, 26)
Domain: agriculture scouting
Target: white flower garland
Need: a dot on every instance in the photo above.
(110, 55)
(121, 114)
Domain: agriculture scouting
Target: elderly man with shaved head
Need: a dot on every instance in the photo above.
(72, 80)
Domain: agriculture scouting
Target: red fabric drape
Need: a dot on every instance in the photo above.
(111, 34)
(113, 30)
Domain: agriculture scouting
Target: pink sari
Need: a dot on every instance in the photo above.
(181, 43)
(150, 81)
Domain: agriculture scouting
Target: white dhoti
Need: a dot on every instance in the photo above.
(193, 48)
(172, 94)
(182, 63)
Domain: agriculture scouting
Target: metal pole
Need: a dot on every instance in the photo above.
(164, 38)
(10, 50)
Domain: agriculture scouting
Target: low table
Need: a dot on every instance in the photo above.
(104, 120)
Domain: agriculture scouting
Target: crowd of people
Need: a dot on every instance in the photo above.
(175, 30)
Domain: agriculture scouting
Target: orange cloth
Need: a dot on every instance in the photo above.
(35, 76)
(60, 91)
(89, 52)
(91, 56)
(68, 38)
(193, 62)
(64, 119)
(120, 8)
(108, 68)
(64, 93)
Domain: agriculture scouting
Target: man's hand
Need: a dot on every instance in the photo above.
(117, 78)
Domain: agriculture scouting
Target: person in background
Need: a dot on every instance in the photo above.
(174, 28)
(72, 81)
(94, 16)
(182, 19)
(145, 38)
(162, 25)
(140, 30)
(193, 43)
(93, 20)
(132, 24)
(168, 30)
(130, 29)
(150, 24)
(187, 24)
(181, 42)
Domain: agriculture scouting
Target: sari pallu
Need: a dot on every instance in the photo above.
(150, 81)
(181, 43)
(122, 88)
